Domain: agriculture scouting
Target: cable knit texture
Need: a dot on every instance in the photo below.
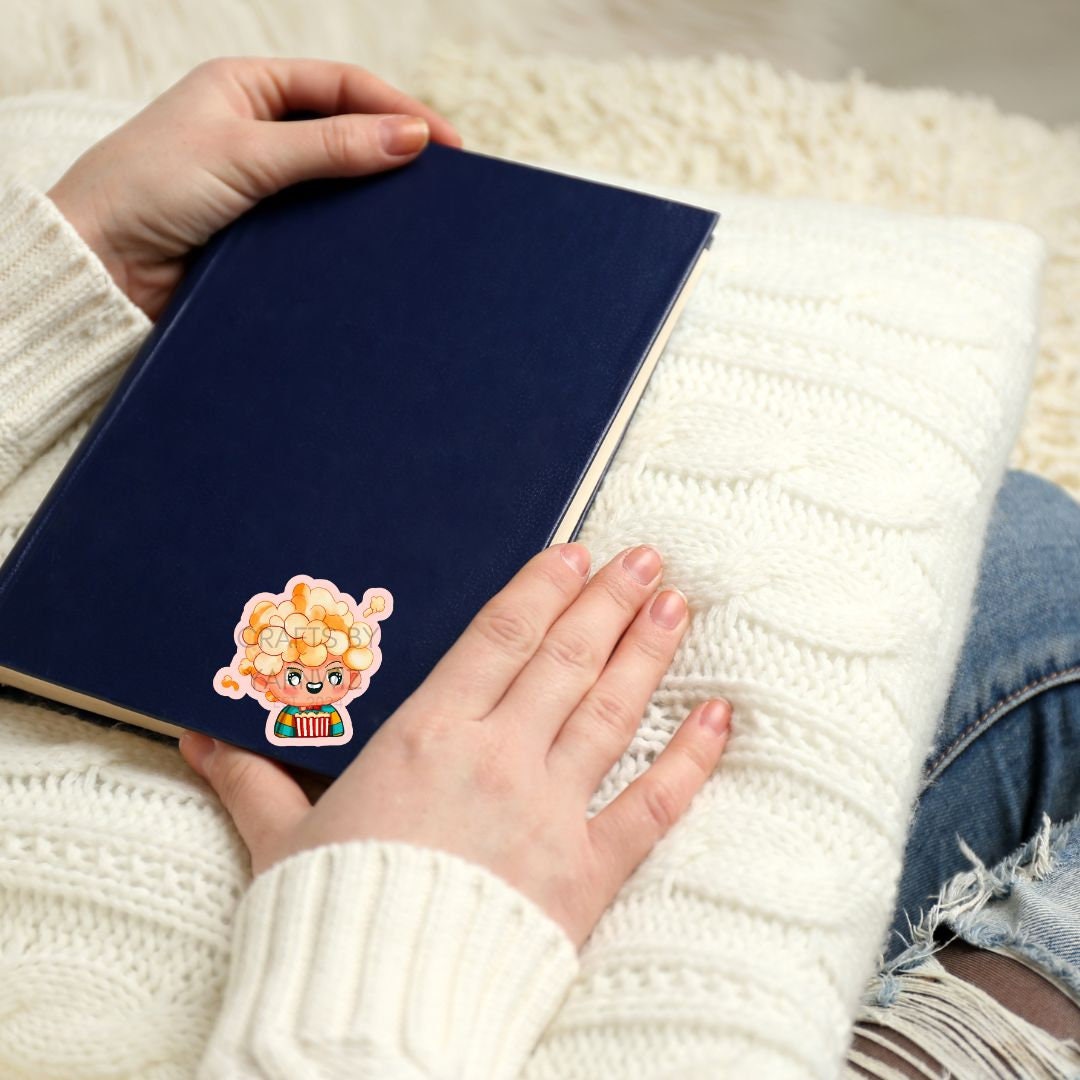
(816, 456)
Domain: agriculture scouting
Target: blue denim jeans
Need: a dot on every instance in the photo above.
(1005, 763)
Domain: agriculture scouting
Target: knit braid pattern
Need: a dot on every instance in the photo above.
(815, 457)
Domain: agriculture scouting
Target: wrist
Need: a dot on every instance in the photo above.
(85, 222)
(384, 943)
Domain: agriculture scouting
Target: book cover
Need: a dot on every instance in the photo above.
(368, 404)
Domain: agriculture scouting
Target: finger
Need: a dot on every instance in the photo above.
(470, 680)
(601, 727)
(575, 650)
(626, 830)
(279, 86)
(272, 156)
(261, 798)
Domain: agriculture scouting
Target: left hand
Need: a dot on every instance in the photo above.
(209, 148)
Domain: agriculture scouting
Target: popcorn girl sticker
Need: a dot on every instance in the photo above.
(303, 654)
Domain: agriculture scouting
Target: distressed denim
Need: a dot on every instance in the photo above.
(1007, 751)
(993, 856)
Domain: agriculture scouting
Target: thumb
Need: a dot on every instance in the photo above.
(264, 802)
(348, 144)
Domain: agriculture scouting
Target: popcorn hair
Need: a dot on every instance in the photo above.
(311, 627)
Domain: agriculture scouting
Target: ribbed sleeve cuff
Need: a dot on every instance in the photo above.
(65, 326)
(384, 959)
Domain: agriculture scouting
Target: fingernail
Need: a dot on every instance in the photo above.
(668, 608)
(197, 748)
(642, 564)
(403, 134)
(577, 556)
(716, 716)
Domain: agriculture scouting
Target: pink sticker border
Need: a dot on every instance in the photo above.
(242, 686)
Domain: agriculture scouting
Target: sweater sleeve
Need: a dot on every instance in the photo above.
(66, 328)
(383, 959)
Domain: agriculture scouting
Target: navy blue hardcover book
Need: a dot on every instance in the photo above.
(368, 405)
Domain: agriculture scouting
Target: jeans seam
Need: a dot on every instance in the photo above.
(988, 718)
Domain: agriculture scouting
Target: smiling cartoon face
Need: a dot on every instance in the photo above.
(304, 654)
(309, 687)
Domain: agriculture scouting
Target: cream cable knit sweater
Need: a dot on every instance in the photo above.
(816, 456)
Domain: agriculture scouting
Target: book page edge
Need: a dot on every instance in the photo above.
(606, 451)
(43, 688)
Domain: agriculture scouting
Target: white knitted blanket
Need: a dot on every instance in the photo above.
(816, 456)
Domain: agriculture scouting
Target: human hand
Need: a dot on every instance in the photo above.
(208, 149)
(495, 756)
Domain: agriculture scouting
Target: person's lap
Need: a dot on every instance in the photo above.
(1007, 747)
(982, 968)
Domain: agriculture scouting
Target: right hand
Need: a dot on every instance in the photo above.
(495, 756)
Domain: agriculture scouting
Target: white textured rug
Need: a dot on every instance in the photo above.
(726, 123)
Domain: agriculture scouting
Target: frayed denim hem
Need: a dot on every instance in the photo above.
(1027, 907)
(1010, 908)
